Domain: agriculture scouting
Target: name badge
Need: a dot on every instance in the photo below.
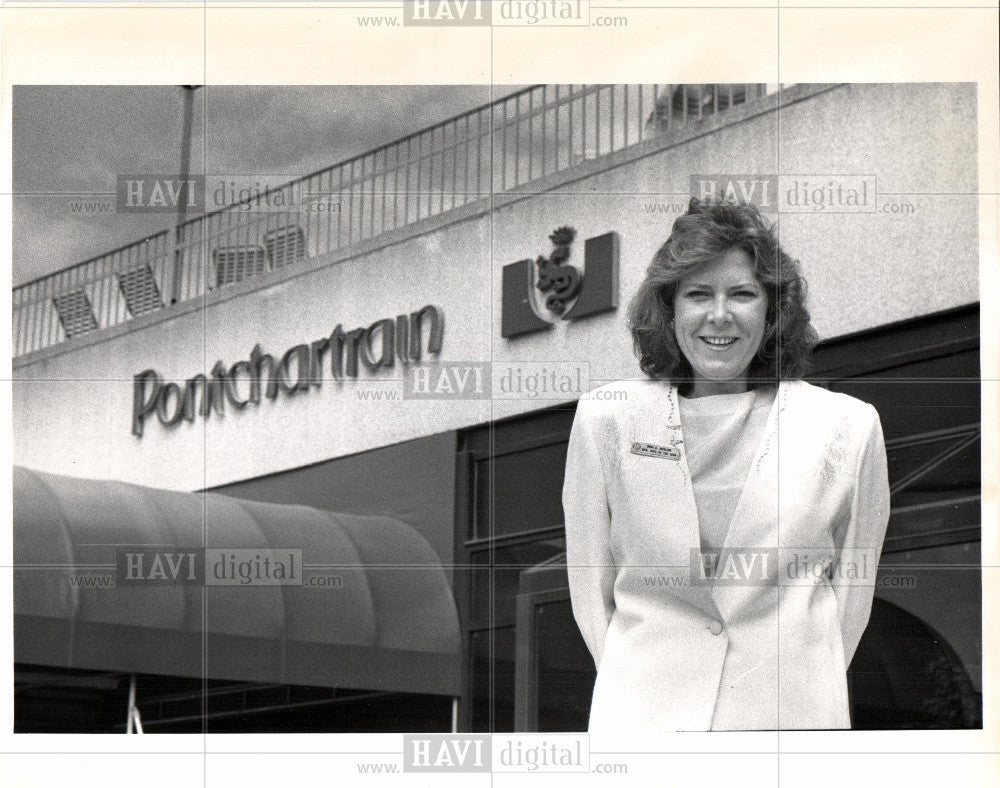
(652, 450)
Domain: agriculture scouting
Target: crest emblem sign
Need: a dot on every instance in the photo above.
(539, 293)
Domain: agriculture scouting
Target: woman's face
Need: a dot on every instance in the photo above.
(719, 316)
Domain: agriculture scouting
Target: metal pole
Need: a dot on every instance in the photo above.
(454, 715)
(184, 195)
(133, 711)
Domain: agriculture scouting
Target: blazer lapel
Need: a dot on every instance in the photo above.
(661, 481)
(685, 506)
(682, 510)
(754, 523)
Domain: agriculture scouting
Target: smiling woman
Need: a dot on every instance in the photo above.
(722, 275)
(672, 488)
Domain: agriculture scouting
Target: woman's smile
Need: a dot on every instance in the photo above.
(719, 342)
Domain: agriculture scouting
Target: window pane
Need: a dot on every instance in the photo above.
(502, 695)
(479, 652)
(565, 670)
(508, 563)
(527, 489)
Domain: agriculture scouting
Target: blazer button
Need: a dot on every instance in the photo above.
(715, 628)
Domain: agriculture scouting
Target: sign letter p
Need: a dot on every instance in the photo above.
(143, 404)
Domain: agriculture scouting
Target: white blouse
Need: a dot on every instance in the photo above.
(721, 434)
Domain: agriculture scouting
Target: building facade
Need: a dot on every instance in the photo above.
(394, 355)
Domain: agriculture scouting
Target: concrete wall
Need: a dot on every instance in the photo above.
(72, 405)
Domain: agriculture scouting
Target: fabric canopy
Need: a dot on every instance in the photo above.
(372, 608)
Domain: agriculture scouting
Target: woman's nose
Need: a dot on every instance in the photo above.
(719, 311)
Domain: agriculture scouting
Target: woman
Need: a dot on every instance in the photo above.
(724, 518)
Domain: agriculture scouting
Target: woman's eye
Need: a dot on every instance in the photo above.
(747, 294)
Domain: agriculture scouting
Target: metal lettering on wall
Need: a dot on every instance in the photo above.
(564, 293)
(299, 369)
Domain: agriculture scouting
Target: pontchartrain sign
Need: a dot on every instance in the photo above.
(299, 369)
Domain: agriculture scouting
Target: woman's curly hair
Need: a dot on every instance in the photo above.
(704, 234)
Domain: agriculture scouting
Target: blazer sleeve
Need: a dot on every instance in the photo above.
(589, 562)
(858, 538)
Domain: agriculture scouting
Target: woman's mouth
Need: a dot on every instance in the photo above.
(718, 342)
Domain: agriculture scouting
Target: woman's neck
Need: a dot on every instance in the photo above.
(707, 388)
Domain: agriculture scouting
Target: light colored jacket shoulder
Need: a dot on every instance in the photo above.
(833, 405)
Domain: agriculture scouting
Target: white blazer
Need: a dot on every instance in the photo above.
(751, 650)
